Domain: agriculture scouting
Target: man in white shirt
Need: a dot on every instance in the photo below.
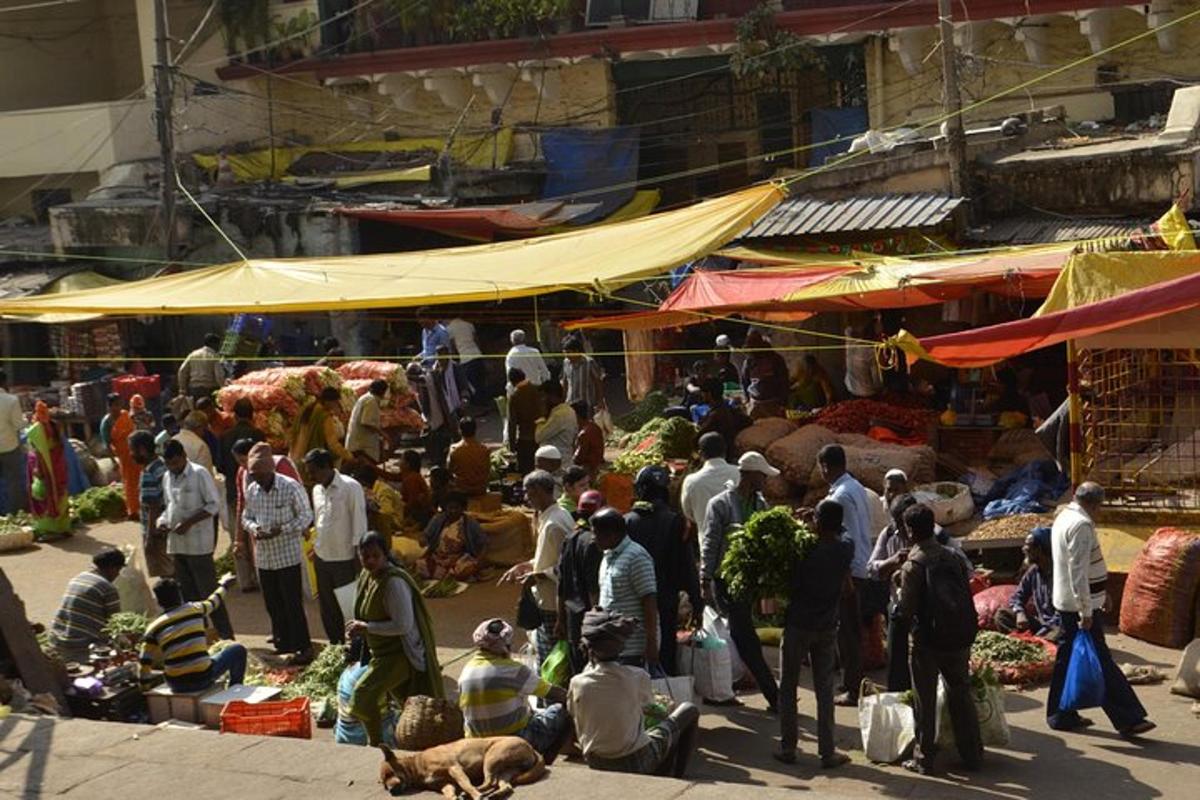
(191, 504)
(340, 509)
(553, 524)
(707, 482)
(364, 434)
(846, 491)
(527, 359)
(1080, 595)
(560, 426)
(12, 454)
(470, 357)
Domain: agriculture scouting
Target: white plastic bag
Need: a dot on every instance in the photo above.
(132, 587)
(716, 627)
(989, 709)
(345, 598)
(709, 663)
(604, 421)
(888, 726)
(680, 689)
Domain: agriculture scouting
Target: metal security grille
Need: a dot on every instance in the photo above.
(1141, 426)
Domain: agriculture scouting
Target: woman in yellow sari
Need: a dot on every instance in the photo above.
(46, 470)
(319, 427)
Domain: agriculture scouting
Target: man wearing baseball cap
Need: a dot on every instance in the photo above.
(730, 508)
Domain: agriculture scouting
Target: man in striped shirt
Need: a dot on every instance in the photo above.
(177, 642)
(495, 690)
(1080, 595)
(89, 601)
(276, 517)
(628, 587)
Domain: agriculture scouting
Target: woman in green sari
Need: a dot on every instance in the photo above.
(319, 427)
(390, 613)
(46, 469)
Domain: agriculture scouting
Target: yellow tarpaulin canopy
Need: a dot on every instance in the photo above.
(1092, 277)
(579, 259)
(75, 282)
(474, 151)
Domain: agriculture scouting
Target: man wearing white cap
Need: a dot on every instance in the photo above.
(726, 370)
(730, 508)
(527, 359)
(549, 458)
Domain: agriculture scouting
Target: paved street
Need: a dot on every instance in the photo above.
(84, 759)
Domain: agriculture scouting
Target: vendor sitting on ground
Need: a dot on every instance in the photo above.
(177, 642)
(454, 543)
(87, 604)
(418, 497)
(589, 442)
(607, 699)
(1033, 593)
(495, 690)
(385, 505)
(469, 462)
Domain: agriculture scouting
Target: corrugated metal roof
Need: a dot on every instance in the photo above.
(1047, 230)
(802, 216)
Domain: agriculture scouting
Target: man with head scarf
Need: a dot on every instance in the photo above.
(495, 691)
(607, 699)
(276, 517)
(1034, 593)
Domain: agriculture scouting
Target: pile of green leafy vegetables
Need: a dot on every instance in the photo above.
(761, 554)
(656, 442)
(319, 679)
(997, 648)
(97, 503)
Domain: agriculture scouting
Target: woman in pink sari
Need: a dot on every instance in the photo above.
(47, 473)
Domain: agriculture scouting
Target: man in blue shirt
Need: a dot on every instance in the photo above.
(847, 492)
(1035, 592)
(433, 336)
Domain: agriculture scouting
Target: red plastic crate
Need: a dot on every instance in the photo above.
(148, 386)
(291, 718)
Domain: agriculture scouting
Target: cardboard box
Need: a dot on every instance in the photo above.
(165, 704)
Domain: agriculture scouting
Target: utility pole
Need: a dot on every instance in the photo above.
(956, 141)
(166, 134)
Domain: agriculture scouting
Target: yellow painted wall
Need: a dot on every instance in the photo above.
(357, 111)
(900, 99)
(77, 53)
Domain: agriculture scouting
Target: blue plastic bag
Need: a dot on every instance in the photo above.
(1084, 686)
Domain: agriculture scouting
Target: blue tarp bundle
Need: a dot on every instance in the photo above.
(838, 127)
(1031, 489)
(581, 160)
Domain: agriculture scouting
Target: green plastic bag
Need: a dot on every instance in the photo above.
(556, 669)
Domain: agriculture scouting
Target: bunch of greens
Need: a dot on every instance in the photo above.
(655, 442)
(126, 625)
(446, 587)
(760, 555)
(319, 679)
(224, 563)
(15, 521)
(97, 503)
(996, 648)
(650, 407)
(502, 462)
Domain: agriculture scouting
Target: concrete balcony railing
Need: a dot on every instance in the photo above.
(89, 137)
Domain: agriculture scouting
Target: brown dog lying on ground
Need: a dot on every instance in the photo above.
(482, 769)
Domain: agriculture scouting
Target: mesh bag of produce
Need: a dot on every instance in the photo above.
(762, 434)
(1160, 600)
(796, 453)
(1020, 659)
(991, 600)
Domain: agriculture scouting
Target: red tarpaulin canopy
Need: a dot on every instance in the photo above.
(984, 346)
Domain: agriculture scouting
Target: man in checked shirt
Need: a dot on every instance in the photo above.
(277, 515)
